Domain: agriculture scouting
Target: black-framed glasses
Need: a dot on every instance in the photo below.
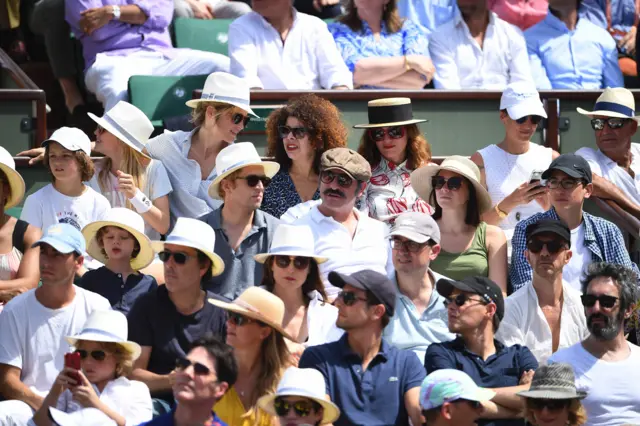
(349, 298)
(535, 119)
(606, 301)
(238, 118)
(549, 404)
(298, 132)
(613, 123)
(240, 320)
(554, 246)
(395, 132)
(555, 183)
(299, 262)
(344, 181)
(300, 408)
(252, 180)
(460, 300)
(199, 369)
(97, 355)
(410, 246)
(179, 258)
(453, 183)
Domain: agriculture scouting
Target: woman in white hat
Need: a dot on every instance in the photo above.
(19, 270)
(106, 358)
(254, 330)
(470, 247)
(291, 273)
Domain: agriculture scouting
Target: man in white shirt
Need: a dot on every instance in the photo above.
(546, 314)
(478, 50)
(352, 241)
(34, 324)
(607, 366)
(276, 47)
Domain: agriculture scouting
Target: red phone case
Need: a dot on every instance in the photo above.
(72, 360)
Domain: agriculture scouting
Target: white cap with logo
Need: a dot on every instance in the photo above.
(71, 138)
(521, 99)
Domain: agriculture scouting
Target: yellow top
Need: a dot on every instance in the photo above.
(232, 412)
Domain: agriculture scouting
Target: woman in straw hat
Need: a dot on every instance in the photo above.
(470, 247)
(106, 358)
(19, 270)
(394, 146)
(552, 398)
(254, 330)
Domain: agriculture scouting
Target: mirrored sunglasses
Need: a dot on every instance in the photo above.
(378, 134)
(613, 123)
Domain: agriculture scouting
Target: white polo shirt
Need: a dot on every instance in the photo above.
(308, 60)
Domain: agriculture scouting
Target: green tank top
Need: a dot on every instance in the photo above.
(471, 262)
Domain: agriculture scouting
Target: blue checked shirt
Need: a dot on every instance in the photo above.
(601, 237)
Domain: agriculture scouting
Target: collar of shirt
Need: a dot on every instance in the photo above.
(459, 345)
(259, 220)
(318, 217)
(267, 26)
(346, 352)
(609, 162)
(366, 29)
(554, 22)
(392, 167)
(185, 146)
(566, 302)
(459, 20)
(435, 296)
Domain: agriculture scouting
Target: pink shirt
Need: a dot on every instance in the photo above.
(521, 13)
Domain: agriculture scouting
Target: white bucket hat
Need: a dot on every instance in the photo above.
(127, 123)
(85, 416)
(521, 99)
(196, 234)
(109, 327)
(235, 157)
(225, 88)
(129, 221)
(306, 383)
(71, 138)
(292, 240)
(16, 183)
(616, 102)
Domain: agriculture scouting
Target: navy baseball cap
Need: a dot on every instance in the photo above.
(63, 237)
(373, 281)
(571, 164)
(481, 286)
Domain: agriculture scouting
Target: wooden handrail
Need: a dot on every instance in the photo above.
(626, 221)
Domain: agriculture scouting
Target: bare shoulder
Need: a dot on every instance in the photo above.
(477, 158)
(495, 234)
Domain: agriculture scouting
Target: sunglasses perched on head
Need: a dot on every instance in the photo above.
(553, 246)
(555, 183)
(298, 262)
(97, 355)
(453, 183)
(535, 119)
(343, 180)
(238, 118)
(252, 180)
(613, 123)
(460, 300)
(378, 134)
(589, 300)
(298, 132)
(550, 404)
(240, 320)
(300, 408)
(349, 298)
(179, 258)
(198, 369)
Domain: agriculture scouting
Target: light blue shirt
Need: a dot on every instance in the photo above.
(623, 13)
(585, 58)
(427, 14)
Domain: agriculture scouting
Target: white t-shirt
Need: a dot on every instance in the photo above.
(572, 273)
(32, 335)
(612, 387)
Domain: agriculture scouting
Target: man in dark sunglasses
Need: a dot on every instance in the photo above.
(475, 308)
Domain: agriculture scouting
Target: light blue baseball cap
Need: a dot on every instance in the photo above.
(63, 237)
(450, 385)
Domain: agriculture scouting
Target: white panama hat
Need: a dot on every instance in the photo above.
(292, 240)
(127, 123)
(225, 88)
(616, 102)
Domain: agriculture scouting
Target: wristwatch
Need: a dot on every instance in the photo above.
(116, 12)
(501, 213)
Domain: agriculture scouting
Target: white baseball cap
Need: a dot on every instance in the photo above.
(71, 138)
(521, 99)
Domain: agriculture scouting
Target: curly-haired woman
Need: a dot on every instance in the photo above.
(297, 135)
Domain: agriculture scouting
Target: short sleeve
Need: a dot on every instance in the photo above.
(527, 360)
(346, 44)
(589, 154)
(311, 359)
(32, 211)
(10, 349)
(414, 373)
(438, 357)
(159, 184)
(140, 329)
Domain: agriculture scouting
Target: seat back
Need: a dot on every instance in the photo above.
(210, 35)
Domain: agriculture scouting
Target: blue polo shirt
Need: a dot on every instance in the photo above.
(168, 420)
(371, 397)
(502, 369)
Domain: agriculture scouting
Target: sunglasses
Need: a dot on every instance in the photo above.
(613, 123)
(349, 298)
(410, 246)
(554, 183)
(453, 183)
(535, 119)
(298, 132)
(301, 408)
(460, 300)
(238, 118)
(240, 320)
(474, 404)
(179, 258)
(97, 355)
(550, 404)
(378, 134)
(553, 246)
(199, 369)
(252, 180)
(343, 180)
(589, 300)
(299, 262)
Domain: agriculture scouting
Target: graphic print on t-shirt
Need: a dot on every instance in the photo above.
(69, 217)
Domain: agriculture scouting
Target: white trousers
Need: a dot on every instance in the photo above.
(108, 77)
(15, 413)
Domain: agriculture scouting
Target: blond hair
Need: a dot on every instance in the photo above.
(577, 414)
(133, 163)
(199, 113)
(124, 358)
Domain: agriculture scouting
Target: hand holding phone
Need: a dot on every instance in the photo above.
(72, 360)
(536, 177)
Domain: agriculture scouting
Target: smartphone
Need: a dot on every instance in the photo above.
(536, 177)
(72, 360)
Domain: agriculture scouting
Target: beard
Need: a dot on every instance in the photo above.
(607, 331)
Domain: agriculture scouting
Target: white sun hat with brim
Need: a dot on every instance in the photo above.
(83, 417)
(306, 383)
(616, 102)
(292, 240)
(14, 179)
(196, 234)
(106, 327)
(421, 178)
(234, 157)
(127, 123)
(227, 89)
(389, 112)
(125, 219)
(71, 138)
(521, 99)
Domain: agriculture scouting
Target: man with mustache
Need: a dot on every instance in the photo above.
(607, 367)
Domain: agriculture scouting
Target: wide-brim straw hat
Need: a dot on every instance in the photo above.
(553, 381)
(616, 102)
(258, 304)
(421, 179)
(15, 180)
(125, 219)
(225, 88)
(292, 240)
(389, 112)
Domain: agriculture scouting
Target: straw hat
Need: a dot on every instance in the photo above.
(421, 178)
(292, 240)
(109, 327)
(306, 383)
(389, 112)
(227, 89)
(125, 219)
(16, 183)
(553, 381)
(235, 157)
(127, 123)
(259, 304)
(616, 102)
(196, 234)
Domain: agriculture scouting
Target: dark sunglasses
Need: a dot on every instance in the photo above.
(238, 118)
(589, 300)
(179, 258)
(199, 369)
(349, 298)
(554, 183)
(97, 355)
(298, 132)
(553, 246)
(410, 246)
(550, 404)
(343, 180)
(300, 263)
(378, 134)
(535, 119)
(460, 300)
(613, 123)
(453, 183)
(240, 320)
(301, 408)
(252, 180)
(474, 404)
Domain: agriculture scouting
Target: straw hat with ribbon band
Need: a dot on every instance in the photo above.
(292, 240)
(616, 102)
(14, 179)
(554, 381)
(389, 112)
(108, 327)
(421, 178)
(258, 304)
(306, 383)
(227, 89)
(125, 219)
(127, 123)
(235, 157)
(196, 234)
